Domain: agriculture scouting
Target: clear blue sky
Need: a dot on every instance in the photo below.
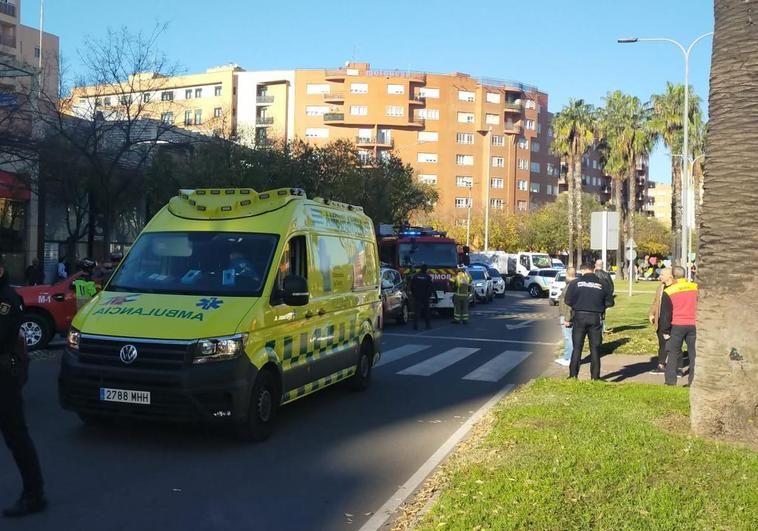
(565, 47)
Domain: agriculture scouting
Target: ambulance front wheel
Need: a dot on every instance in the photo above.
(362, 377)
(264, 402)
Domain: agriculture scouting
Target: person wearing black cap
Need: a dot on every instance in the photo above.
(422, 290)
(12, 421)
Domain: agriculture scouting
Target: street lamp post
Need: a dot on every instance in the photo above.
(685, 122)
(691, 199)
(488, 162)
(470, 185)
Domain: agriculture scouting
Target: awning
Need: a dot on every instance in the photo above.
(11, 187)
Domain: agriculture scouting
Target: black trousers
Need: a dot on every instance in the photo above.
(421, 306)
(680, 335)
(662, 347)
(16, 434)
(586, 324)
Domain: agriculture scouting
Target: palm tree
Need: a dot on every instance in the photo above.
(573, 134)
(724, 396)
(667, 123)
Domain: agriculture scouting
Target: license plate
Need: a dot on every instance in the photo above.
(124, 396)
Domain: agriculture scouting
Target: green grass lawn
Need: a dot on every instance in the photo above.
(577, 455)
(631, 333)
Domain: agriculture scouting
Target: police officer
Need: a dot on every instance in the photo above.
(422, 289)
(12, 421)
(462, 286)
(589, 297)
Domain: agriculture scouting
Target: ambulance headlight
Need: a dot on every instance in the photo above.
(74, 336)
(219, 348)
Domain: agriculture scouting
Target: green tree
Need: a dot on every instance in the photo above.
(652, 236)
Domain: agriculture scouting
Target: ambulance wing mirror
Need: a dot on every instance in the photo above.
(295, 290)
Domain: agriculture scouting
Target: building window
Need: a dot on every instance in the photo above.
(461, 222)
(531, 104)
(188, 94)
(523, 164)
(317, 88)
(395, 110)
(466, 117)
(464, 138)
(425, 92)
(358, 88)
(497, 203)
(217, 112)
(430, 158)
(521, 205)
(462, 202)
(498, 140)
(463, 181)
(384, 155)
(146, 97)
(535, 188)
(187, 117)
(107, 101)
(594, 164)
(165, 96)
(498, 162)
(427, 178)
(497, 182)
(493, 97)
(198, 93)
(316, 132)
(428, 114)
(427, 136)
(539, 128)
(522, 185)
(464, 160)
(465, 95)
(395, 89)
(126, 100)
(167, 118)
(217, 90)
(535, 167)
(535, 147)
(549, 189)
(550, 169)
(316, 110)
(198, 116)
(364, 156)
(359, 110)
(492, 119)
(530, 125)
(523, 143)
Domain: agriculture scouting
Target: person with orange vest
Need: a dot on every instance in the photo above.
(677, 323)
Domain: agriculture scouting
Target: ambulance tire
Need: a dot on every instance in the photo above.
(362, 378)
(264, 402)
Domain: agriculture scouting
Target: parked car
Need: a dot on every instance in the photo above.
(394, 297)
(557, 263)
(498, 282)
(557, 287)
(538, 281)
(483, 285)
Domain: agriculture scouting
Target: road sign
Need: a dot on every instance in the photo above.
(611, 232)
(631, 244)
(630, 254)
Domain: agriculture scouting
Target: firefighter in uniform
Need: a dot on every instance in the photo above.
(84, 287)
(12, 421)
(422, 290)
(462, 286)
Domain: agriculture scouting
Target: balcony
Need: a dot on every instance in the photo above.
(371, 141)
(264, 120)
(337, 97)
(8, 40)
(334, 117)
(513, 128)
(417, 122)
(513, 106)
(417, 99)
(262, 100)
(334, 75)
(8, 9)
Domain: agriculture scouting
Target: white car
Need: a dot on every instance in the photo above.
(538, 281)
(557, 264)
(482, 282)
(498, 283)
(557, 287)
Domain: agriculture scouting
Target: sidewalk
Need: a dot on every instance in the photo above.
(617, 368)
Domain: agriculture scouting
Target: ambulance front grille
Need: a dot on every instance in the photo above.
(156, 354)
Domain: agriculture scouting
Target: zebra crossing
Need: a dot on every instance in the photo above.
(492, 370)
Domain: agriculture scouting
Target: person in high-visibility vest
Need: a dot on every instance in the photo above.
(462, 286)
(84, 287)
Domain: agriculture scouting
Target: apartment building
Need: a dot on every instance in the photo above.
(203, 103)
(658, 201)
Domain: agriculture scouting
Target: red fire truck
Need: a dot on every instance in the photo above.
(407, 248)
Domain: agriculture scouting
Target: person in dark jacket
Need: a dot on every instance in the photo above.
(34, 275)
(677, 323)
(588, 297)
(12, 421)
(422, 290)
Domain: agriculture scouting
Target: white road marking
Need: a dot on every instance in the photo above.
(497, 367)
(381, 516)
(480, 339)
(517, 326)
(399, 353)
(439, 362)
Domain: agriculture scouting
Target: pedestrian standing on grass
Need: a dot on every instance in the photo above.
(654, 316)
(677, 322)
(566, 315)
(12, 421)
(588, 297)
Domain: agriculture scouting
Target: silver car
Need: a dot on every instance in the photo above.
(498, 283)
(557, 287)
(482, 282)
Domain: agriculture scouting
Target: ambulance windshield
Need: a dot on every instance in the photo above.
(197, 263)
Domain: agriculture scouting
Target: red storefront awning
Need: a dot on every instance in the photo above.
(11, 187)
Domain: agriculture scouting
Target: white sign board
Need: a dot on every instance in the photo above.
(596, 230)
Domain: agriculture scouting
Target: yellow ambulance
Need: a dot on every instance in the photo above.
(229, 304)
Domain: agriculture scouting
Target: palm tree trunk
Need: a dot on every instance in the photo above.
(570, 182)
(618, 184)
(676, 211)
(724, 395)
(578, 207)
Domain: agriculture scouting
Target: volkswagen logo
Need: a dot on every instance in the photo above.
(128, 354)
